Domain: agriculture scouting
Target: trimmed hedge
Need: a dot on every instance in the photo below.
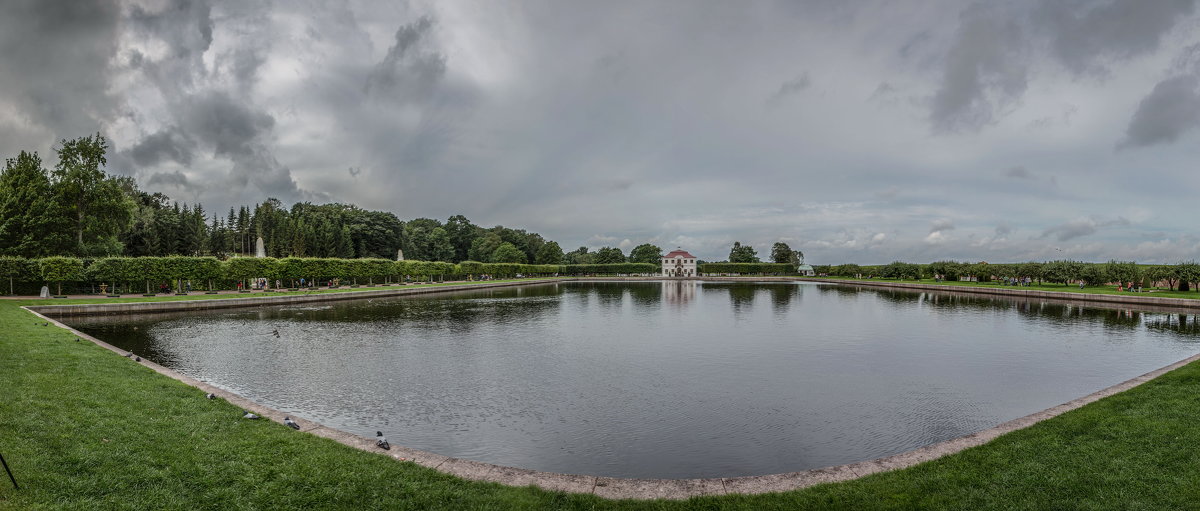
(59, 269)
(610, 269)
(14, 267)
(747, 268)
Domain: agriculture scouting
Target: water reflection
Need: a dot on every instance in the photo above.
(678, 292)
(664, 379)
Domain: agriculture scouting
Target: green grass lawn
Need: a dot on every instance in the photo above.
(84, 428)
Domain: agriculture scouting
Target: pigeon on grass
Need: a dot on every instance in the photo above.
(381, 442)
(290, 423)
(248, 415)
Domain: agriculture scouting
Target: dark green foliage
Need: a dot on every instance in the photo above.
(59, 269)
(610, 269)
(578, 256)
(508, 253)
(900, 270)
(609, 255)
(245, 268)
(78, 209)
(14, 268)
(550, 253)
(32, 222)
(1188, 273)
(483, 247)
(94, 202)
(746, 268)
(742, 253)
(646, 253)
(1122, 271)
(781, 253)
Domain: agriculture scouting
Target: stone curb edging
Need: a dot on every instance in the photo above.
(610, 487)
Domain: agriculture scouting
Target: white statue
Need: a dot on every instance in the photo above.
(399, 254)
(260, 249)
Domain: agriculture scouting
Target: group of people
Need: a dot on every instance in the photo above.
(1131, 287)
(1018, 281)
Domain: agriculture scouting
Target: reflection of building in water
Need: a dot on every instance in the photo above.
(679, 292)
(679, 264)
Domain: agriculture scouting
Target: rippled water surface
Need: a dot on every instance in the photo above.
(662, 379)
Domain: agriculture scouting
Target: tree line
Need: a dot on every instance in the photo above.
(78, 209)
(207, 272)
(1182, 276)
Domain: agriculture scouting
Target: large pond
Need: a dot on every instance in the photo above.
(662, 379)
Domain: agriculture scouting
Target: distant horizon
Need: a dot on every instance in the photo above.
(855, 132)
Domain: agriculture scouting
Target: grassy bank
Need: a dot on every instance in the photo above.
(84, 428)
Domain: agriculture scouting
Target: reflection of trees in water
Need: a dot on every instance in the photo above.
(741, 295)
(1178, 323)
(1060, 313)
(781, 296)
(841, 290)
(610, 295)
(645, 293)
(459, 312)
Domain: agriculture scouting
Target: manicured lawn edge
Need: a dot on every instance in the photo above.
(56, 343)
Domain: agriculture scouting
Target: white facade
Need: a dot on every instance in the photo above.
(679, 264)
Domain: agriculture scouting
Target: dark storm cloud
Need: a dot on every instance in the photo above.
(166, 145)
(209, 108)
(1084, 36)
(56, 64)
(184, 25)
(176, 179)
(230, 127)
(234, 130)
(984, 71)
(543, 115)
(1170, 110)
(409, 68)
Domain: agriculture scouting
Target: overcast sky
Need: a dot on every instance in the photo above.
(855, 131)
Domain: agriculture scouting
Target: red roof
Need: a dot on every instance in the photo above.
(680, 253)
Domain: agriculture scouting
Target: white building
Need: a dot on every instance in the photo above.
(679, 264)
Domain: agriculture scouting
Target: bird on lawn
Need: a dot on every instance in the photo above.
(210, 395)
(137, 359)
(381, 441)
(45, 324)
(129, 355)
(247, 415)
(290, 423)
(76, 339)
